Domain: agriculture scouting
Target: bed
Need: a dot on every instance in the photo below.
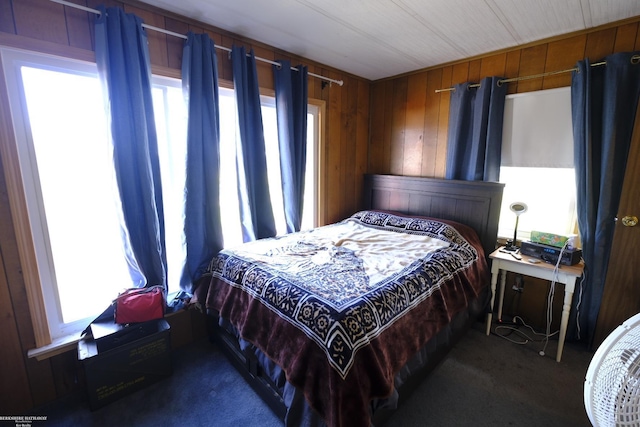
(328, 328)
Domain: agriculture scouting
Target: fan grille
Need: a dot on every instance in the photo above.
(612, 386)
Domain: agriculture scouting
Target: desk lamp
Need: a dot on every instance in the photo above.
(518, 208)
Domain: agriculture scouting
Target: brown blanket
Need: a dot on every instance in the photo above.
(339, 380)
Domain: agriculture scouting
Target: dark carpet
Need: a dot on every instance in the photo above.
(485, 381)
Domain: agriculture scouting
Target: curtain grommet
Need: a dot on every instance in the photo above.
(635, 59)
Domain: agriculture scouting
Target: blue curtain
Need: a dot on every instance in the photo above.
(203, 229)
(474, 143)
(123, 64)
(253, 185)
(603, 101)
(291, 108)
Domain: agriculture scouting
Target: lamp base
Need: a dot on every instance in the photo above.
(510, 246)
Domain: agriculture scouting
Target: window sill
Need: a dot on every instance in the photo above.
(58, 346)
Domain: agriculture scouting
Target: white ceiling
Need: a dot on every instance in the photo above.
(382, 38)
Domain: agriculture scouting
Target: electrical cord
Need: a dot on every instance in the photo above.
(552, 291)
(527, 338)
(549, 315)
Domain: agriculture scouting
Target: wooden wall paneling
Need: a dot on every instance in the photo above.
(532, 62)
(626, 37)
(350, 162)
(638, 38)
(107, 3)
(474, 70)
(15, 395)
(531, 305)
(600, 44)
(348, 147)
(65, 367)
(362, 139)
(376, 141)
(414, 124)
(79, 26)
(42, 20)
(333, 150)
(459, 74)
(40, 374)
(314, 84)
(443, 122)
(562, 55)
(511, 69)
(493, 65)
(175, 45)
(398, 123)
(389, 108)
(6, 17)
(225, 69)
(197, 29)
(283, 56)
(264, 69)
(323, 94)
(325, 88)
(318, 84)
(157, 40)
(431, 123)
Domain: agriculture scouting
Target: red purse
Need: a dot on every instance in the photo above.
(139, 305)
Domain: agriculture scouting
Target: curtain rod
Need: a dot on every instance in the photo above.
(182, 36)
(634, 60)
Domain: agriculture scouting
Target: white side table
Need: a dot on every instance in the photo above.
(566, 274)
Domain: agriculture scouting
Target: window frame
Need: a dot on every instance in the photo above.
(11, 60)
(537, 119)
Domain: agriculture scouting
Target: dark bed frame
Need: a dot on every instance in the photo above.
(473, 203)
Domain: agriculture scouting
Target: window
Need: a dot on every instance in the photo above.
(62, 146)
(71, 172)
(537, 164)
(273, 164)
(550, 196)
(70, 189)
(170, 115)
(230, 213)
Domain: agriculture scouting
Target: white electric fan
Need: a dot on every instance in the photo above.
(612, 383)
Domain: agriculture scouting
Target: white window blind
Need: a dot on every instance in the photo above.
(537, 163)
(537, 129)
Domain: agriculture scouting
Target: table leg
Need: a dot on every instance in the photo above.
(503, 279)
(566, 308)
(494, 280)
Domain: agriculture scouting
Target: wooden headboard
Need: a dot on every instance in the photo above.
(474, 203)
